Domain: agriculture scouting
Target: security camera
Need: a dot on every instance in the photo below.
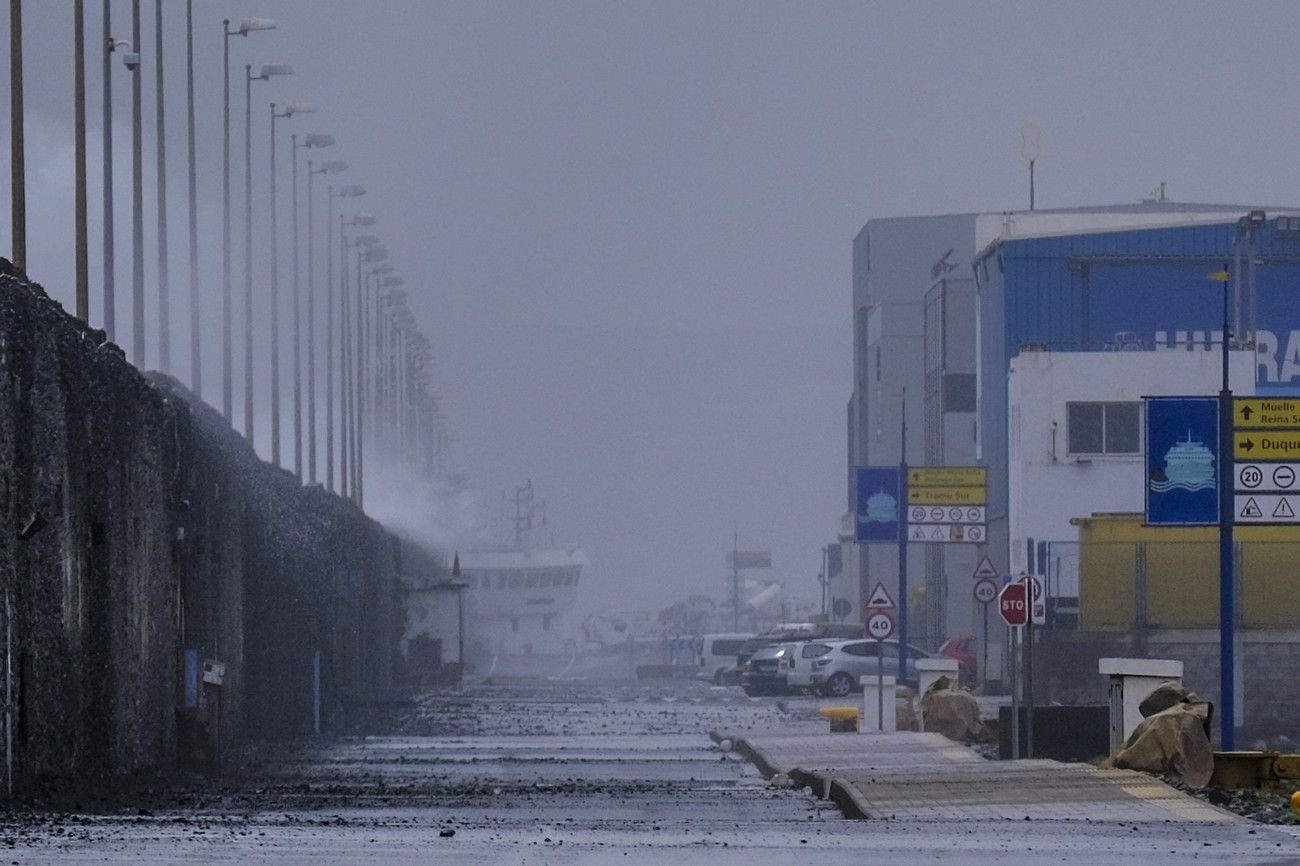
(131, 60)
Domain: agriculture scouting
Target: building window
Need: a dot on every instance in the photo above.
(1104, 428)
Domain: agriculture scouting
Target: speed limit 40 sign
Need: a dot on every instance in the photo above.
(880, 625)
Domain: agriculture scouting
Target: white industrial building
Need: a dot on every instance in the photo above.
(1076, 435)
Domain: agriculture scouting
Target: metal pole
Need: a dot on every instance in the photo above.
(880, 686)
(160, 134)
(137, 201)
(311, 332)
(196, 346)
(1012, 642)
(902, 545)
(984, 666)
(1031, 185)
(227, 374)
(110, 302)
(344, 364)
(1227, 614)
(297, 322)
(275, 309)
(79, 111)
(1029, 667)
(248, 253)
(17, 148)
(329, 342)
(735, 580)
(354, 385)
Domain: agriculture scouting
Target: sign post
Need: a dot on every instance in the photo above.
(880, 625)
(1189, 452)
(1013, 608)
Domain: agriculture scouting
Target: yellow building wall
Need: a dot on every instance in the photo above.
(1182, 574)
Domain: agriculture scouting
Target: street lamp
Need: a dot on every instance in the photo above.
(18, 170)
(131, 61)
(311, 140)
(347, 430)
(332, 166)
(248, 25)
(160, 142)
(289, 111)
(348, 191)
(137, 199)
(267, 72)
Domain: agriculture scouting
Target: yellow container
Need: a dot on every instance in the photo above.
(842, 719)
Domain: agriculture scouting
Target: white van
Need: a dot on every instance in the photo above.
(717, 657)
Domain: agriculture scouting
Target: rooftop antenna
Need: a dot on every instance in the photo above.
(1029, 149)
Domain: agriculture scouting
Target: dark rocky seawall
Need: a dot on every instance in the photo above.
(141, 541)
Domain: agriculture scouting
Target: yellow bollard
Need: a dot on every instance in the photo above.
(1295, 802)
(842, 719)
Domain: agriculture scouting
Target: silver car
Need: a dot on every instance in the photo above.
(835, 672)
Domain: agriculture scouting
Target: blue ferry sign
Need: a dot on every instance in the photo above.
(878, 503)
(1182, 461)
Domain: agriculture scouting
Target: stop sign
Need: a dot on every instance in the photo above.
(1011, 604)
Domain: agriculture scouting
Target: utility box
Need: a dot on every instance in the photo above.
(930, 670)
(879, 712)
(1131, 680)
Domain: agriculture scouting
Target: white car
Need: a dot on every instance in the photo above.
(716, 661)
(835, 673)
(799, 663)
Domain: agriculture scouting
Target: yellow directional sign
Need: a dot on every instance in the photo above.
(947, 476)
(1266, 444)
(970, 495)
(1262, 413)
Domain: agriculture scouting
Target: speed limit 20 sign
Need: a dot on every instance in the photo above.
(880, 625)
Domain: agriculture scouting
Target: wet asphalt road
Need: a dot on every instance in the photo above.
(559, 772)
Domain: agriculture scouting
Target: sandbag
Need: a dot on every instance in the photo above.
(953, 712)
(1173, 743)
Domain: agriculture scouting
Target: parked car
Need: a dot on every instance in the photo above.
(796, 631)
(962, 649)
(799, 662)
(716, 659)
(763, 673)
(835, 673)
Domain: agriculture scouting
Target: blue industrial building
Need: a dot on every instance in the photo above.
(1134, 289)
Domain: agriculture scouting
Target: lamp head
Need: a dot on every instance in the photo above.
(317, 139)
(352, 190)
(273, 70)
(248, 25)
(332, 166)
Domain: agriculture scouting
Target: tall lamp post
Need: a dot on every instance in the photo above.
(289, 111)
(333, 166)
(248, 25)
(346, 191)
(311, 140)
(373, 253)
(131, 61)
(160, 140)
(17, 169)
(137, 201)
(79, 124)
(267, 72)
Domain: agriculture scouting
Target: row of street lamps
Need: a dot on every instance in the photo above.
(382, 359)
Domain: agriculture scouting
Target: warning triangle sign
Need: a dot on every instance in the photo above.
(879, 598)
(1283, 509)
(1251, 508)
(938, 534)
(985, 570)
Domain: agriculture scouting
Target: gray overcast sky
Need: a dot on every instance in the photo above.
(626, 225)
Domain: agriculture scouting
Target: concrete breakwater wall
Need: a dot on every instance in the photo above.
(165, 594)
